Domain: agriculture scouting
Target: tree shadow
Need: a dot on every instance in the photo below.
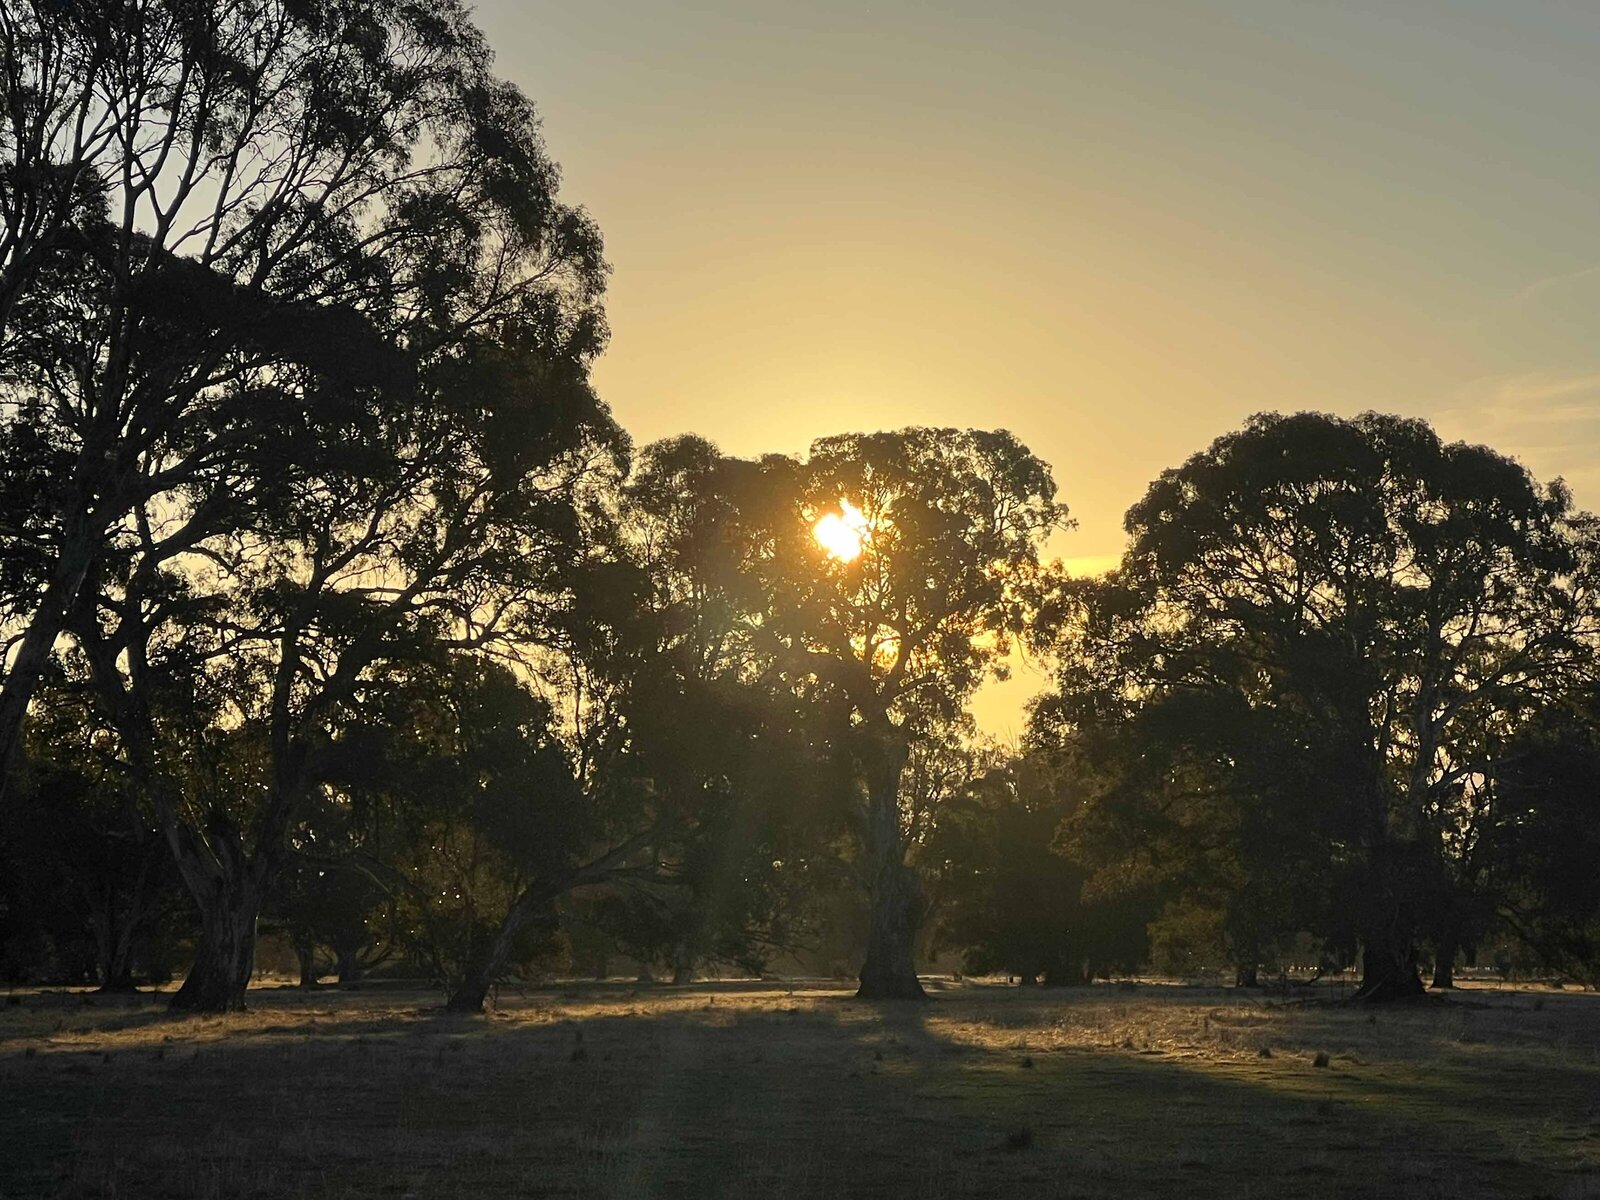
(715, 1090)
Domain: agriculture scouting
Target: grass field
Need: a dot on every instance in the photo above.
(757, 1090)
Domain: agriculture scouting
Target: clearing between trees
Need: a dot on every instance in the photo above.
(795, 1089)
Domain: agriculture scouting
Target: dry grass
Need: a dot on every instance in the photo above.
(772, 1090)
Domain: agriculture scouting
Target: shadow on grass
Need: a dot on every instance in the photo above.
(746, 1090)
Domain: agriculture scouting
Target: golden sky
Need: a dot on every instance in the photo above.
(1115, 228)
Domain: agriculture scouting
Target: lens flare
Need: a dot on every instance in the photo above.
(843, 534)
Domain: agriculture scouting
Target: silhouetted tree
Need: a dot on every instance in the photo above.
(1387, 597)
(1011, 901)
(1205, 802)
(220, 219)
(1546, 802)
(328, 400)
(892, 642)
(84, 851)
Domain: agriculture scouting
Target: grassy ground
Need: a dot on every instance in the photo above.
(776, 1090)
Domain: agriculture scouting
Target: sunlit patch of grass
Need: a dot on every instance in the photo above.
(778, 1090)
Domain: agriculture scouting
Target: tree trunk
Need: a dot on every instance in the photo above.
(27, 665)
(225, 954)
(305, 954)
(1063, 973)
(489, 961)
(894, 892)
(682, 965)
(890, 969)
(1388, 968)
(116, 959)
(470, 994)
(116, 926)
(347, 964)
(1444, 965)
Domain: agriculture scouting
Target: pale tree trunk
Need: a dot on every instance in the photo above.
(682, 964)
(22, 680)
(489, 961)
(224, 957)
(895, 893)
(27, 665)
(228, 887)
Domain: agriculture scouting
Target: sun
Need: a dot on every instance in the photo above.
(843, 534)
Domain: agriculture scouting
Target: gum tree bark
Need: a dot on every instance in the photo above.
(488, 962)
(897, 903)
(224, 957)
(229, 886)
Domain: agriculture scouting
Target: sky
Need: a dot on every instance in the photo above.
(1114, 228)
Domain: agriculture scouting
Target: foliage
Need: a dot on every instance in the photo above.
(1010, 900)
(1369, 609)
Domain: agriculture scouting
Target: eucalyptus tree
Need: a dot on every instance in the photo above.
(85, 844)
(308, 395)
(224, 225)
(1012, 901)
(1380, 607)
(694, 767)
(896, 571)
(1201, 804)
(450, 520)
(1546, 803)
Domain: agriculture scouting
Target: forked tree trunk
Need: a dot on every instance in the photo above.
(488, 961)
(117, 925)
(228, 887)
(225, 954)
(470, 995)
(890, 969)
(113, 941)
(116, 960)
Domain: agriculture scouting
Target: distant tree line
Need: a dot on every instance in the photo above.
(335, 602)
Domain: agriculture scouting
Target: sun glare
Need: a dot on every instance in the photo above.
(843, 533)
